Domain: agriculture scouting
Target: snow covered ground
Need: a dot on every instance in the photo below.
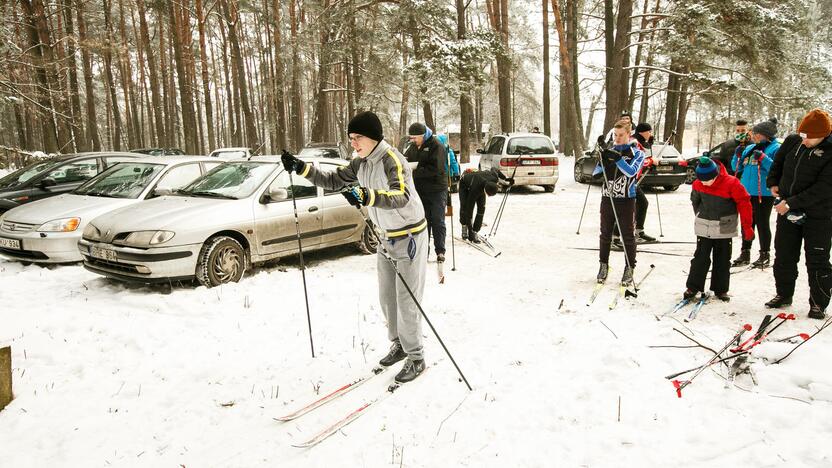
(3, 172)
(124, 375)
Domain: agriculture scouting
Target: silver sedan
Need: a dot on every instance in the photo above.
(214, 229)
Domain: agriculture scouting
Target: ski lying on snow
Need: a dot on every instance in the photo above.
(703, 298)
(484, 247)
(595, 291)
(350, 417)
(440, 271)
(333, 395)
(653, 252)
(614, 303)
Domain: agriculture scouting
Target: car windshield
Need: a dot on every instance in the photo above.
(530, 145)
(229, 154)
(233, 180)
(319, 153)
(28, 172)
(124, 180)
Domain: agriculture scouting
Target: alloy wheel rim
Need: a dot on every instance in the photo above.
(226, 264)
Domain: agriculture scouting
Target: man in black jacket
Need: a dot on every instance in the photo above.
(431, 180)
(801, 178)
(473, 187)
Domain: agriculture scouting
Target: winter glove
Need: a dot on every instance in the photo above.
(510, 181)
(610, 155)
(602, 142)
(648, 162)
(291, 163)
(357, 196)
(758, 155)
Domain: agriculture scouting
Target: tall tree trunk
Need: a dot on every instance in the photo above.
(134, 128)
(465, 110)
(75, 93)
(403, 110)
(110, 80)
(671, 110)
(231, 15)
(619, 57)
(592, 107)
(181, 37)
(320, 121)
(547, 99)
(168, 137)
(86, 61)
(681, 119)
(279, 95)
(156, 99)
(296, 112)
(634, 81)
(498, 16)
(645, 91)
(571, 136)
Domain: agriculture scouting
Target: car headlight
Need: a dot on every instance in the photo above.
(147, 238)
(91, 233)
(60, 225)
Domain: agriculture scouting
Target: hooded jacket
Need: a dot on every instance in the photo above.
(429, 175)
(753, 173)
(804, 176)
(622, 174)
(721, 207)
(392, 206)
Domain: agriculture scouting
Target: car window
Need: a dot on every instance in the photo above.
(495, 146)
(77, 171)
(113, 160)
(209, 166)
(302, 188)
(125, 180)
(179, 176)
(232, 180)
(28, 172)
(319, 153)
(229, 154)
(530, 145)
(326, 167)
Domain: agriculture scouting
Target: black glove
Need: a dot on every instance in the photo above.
(510, 181)
(610, 155)
(291, 163)
(356, 196)
(602, 142)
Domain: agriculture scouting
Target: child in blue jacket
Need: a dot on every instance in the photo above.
(751, 167)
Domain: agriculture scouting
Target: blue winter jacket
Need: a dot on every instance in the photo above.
(754, 175)
(451, 161)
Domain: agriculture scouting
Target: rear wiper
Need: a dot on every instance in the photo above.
(212, 194)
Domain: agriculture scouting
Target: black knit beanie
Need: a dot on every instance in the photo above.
(643, 127)
(417, 129)
(767, 128)
(367, 124)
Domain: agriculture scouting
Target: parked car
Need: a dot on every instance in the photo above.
(214, 229)
(47, 231)
(325, 150)
(528, 157)
(669, 171)
(159, 151)
(722, 152)
(228, 154)
(54, 176)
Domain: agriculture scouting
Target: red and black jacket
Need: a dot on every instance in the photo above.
(719, 205)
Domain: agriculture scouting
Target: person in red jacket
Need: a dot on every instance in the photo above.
(721, 203)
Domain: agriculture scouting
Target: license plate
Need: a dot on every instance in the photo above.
(10, 243)
(530, 162)
(104, 254)
(664, 168)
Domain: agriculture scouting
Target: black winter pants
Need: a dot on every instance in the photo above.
(761, 222)
(701, 263)
(641, 211)
(624, 209)
(435, 204)
(816, 237)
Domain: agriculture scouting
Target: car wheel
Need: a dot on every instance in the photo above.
(578, 173)
(690, 176)
(369, 242)
(549, 188)
(671, 188)
(221, 260)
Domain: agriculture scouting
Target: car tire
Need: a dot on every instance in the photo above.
(369, 242)
(578, 173)
(549, 188)
(671, 188)
(221, 260)
(690, 176)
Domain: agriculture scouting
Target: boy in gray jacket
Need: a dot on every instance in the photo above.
(386, 189)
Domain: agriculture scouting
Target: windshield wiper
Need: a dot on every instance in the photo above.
(206, 193)
(97, 194)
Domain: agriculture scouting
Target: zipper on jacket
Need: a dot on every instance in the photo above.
(796, 166)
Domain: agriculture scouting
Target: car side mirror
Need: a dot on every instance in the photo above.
(278, 194)
(480, 151)
(162, 191)
(47, 182)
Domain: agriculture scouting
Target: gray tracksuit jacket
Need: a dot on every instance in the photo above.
(387, 176)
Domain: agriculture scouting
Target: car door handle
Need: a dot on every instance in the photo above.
(313, 209)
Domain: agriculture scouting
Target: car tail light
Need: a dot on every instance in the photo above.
(548, 161)
(506, 162)
(511, 162)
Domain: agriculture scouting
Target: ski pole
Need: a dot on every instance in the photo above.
(659, 209)
(617, 223)
(762, 333)
(415, 301)
(586, 198)
(499, 216)
(682, 384)
(451, 205)
(302, 264)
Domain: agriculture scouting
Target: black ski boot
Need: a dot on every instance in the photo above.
(763, 261)
(440, 258)
(603, 271)
(743, 259)
(642, 238)
(723, 296)
(474, 237)
(689, 294)
(465, 231)
(395, 355)
(815, 312)
(778, 302)
(627, 277)
(410, 370)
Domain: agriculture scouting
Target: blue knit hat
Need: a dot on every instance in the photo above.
(707, 169)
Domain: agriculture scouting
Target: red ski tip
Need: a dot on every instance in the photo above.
(790, 317)
(781, 315)
(805, 336)
(678, 386)
(747, 327)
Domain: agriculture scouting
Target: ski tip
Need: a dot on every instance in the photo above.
(747, 327)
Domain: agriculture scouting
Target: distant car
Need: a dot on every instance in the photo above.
(54, 176)
(528, 157)
(324, 150)
(722, 152)
(214, 229)
(668, 172)
(159, 151)
(232, 153)
(48, 230)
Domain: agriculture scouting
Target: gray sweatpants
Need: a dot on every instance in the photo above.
(404, 321)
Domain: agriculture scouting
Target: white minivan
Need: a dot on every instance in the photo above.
(528, 157)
